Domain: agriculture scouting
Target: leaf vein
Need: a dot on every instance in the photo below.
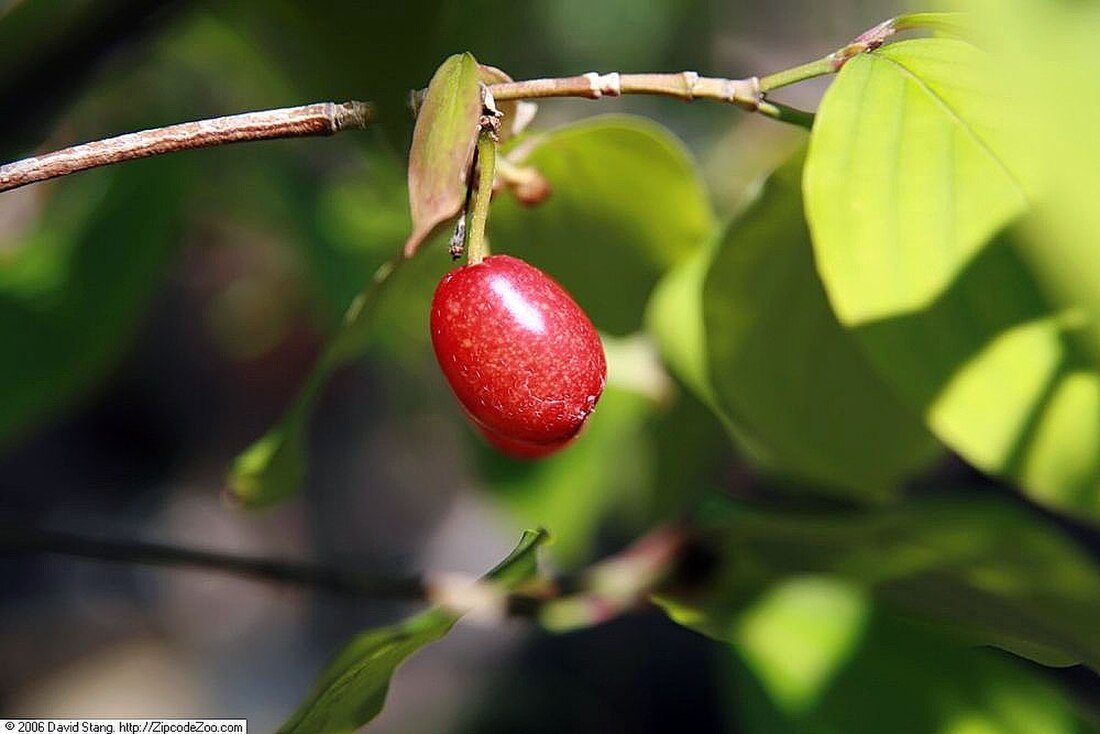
(954, 115)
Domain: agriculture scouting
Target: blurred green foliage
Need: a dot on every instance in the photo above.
(578, 488)
(878, 669)
(73, 292)
(943, 281)
(981, 568)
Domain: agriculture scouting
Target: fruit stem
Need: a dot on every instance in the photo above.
(477, 248)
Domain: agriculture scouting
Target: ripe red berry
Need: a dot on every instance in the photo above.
(519, 353)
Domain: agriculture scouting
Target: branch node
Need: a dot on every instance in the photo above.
(866, 42)
(488, 102)
(350, 115)
(745, 93)
(691, 79)
(478, 601)
(604, 84)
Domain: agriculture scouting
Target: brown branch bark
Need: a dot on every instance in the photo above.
(322, 118)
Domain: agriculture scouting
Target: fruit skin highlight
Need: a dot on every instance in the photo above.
(519, 353)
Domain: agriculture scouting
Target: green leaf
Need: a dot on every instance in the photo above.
(674, 317)
(945, 24)
(904, 180)
(443, 146)
(75, 287)
(911, 192)
(783, 369)
(798, 635)
(985, 569)
(521, 565)
(627, 202)
(886, 674)
(272, 468)
(1042, 49)
(352, 689)
(747, 326)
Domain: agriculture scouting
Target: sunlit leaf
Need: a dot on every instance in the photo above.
(443, 146)
(956, 24)
(985, 569)
(627, 203)
(352, 689)
(76, 285)
(1037, 45)
(905, 181)
(911, 191)
(884, 673)
(798, 635)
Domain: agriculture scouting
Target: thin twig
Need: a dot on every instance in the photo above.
(786, 113)
(605, 590)
(16, 540)
(326, 118)
(870, 40)
(322, 118)
(685, 85)
(748, 93)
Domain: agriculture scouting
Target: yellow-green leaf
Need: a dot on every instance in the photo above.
(913, 190)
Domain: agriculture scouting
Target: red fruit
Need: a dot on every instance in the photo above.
(522, 449)
(519, 353)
